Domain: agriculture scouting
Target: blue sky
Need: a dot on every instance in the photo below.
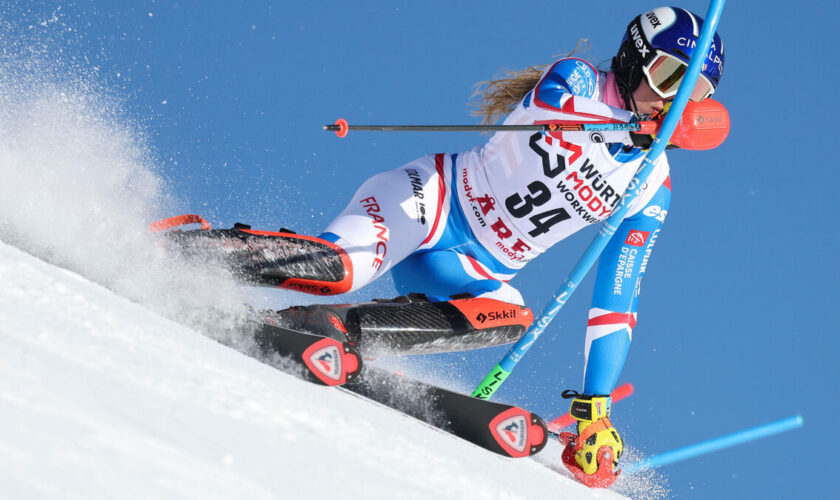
(231, 96)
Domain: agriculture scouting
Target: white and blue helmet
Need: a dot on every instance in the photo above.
(657, 46)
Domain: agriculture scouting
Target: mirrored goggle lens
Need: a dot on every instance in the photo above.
(665, 73)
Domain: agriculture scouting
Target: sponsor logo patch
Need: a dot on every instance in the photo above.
(327, 360)
(417, 193)
(496, 315)
(373, 210)
(640, 44)
(654, 21)
(637, 238)
(514, 432)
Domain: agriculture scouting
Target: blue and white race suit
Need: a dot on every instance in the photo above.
(468, 222)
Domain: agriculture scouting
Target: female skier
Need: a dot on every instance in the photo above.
(454, 229)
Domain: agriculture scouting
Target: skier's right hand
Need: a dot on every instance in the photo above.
(595, 431)
(641, 140)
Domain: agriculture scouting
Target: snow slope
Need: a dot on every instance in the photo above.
(103, 395)
(100, 397)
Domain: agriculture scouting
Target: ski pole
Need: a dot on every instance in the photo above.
(716, 444)
(566, 420)
(503, 369)
(643, 127)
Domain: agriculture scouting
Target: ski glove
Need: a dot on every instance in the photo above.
(595, 431)
(641, 140)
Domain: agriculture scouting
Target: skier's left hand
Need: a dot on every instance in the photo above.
(641, 140)
(703, 125)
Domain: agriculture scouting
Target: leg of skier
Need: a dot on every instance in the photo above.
(389, 217)
(456, 311)
(403, 215)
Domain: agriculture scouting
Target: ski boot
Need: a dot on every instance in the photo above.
(280, 259)
(592, 455)
(412, 324)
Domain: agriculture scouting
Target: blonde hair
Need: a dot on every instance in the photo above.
(498, 97)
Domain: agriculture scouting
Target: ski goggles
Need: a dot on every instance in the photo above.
(665, 74)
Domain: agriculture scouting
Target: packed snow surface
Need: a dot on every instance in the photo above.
(100, 397)
(122, 374)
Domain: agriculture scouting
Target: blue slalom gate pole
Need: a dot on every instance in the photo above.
(503, 369)
(716, 444)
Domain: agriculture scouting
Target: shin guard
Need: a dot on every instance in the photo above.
(413, 325)
(281, 259)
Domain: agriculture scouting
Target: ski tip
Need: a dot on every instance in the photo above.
(352, 361)
(178, 220)
(539, 434)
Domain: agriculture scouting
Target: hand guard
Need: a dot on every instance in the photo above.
(644, 141)
(593, 454)
(703, 125)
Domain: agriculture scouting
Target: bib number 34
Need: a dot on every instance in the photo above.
(521, 206)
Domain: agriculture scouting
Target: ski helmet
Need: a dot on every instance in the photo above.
(657, 46)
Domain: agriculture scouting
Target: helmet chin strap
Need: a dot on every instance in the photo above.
(635, 108)
(624, 88)
(629, 101)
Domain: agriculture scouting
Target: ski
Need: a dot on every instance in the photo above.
(281, 258)
(503, 429)
(272, 259)
(327, 361)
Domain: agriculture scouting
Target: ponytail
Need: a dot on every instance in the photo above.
(498, 97)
